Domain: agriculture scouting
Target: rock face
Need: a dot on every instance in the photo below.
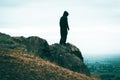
(37, 45)
(68, 56)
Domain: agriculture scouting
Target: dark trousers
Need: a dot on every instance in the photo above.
(63, 37)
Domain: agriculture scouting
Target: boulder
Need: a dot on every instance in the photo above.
(37, 45)
(68, 56)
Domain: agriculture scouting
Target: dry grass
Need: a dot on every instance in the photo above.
(15, 65)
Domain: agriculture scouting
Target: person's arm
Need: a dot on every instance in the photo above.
(68, 25)
(68, 28)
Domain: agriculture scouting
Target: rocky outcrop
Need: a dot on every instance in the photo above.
(31, 44)
(68, 56)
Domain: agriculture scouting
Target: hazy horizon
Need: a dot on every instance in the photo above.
(94, 25)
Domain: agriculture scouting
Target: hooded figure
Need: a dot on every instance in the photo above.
(64, 27)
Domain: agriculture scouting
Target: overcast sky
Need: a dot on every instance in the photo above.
(94, 24)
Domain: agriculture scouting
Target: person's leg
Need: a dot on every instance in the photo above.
(62, 35)
(64, 38)
(61, 40)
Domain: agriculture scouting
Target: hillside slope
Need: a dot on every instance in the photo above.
(17, 65)
(67, 56)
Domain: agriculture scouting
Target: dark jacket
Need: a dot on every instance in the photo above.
(64, 23)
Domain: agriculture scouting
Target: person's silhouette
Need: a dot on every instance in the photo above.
(64, 27)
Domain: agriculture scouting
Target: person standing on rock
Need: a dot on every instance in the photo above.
(64, 27)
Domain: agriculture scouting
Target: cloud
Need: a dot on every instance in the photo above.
(36, 12)
(10, 3)
(91, 21)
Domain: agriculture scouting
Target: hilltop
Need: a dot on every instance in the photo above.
(33, 58)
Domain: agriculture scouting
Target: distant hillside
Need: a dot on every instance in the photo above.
(17, 65)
